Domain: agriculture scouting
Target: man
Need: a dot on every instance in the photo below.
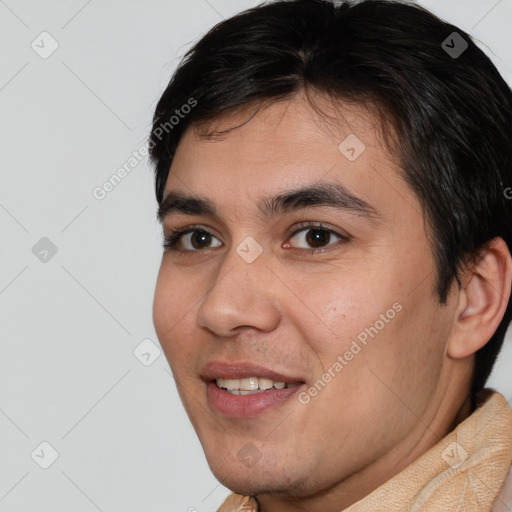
(333, 185)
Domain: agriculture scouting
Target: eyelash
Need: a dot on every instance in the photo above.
(170, 241)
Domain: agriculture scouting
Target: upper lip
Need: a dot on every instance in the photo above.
(239, 370)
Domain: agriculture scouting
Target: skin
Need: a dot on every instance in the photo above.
(296, 312)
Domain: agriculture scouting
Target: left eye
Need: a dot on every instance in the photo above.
(316, 237)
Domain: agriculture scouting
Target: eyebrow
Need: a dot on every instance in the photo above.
(321, 194)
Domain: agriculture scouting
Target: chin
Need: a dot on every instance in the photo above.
(252, 485)
(261, 478)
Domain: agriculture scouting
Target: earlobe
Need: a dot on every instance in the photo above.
(483, 300)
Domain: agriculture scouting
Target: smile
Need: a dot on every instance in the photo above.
(243, 389)
(250, 385)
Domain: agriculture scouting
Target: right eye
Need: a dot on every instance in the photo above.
(192, 239)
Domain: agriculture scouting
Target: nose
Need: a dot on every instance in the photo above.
(240, 295)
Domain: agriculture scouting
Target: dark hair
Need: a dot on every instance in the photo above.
(451, 114)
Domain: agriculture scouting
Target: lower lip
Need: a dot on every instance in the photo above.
(240, 406)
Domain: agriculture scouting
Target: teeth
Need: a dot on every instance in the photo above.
(232, 383)
(265, 383)
(249, 385)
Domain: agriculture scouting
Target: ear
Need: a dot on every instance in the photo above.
(482, 300)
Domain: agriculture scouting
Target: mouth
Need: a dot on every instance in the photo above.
(251, 385)
(244, 389)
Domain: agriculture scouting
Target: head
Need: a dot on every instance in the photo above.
(340, 182)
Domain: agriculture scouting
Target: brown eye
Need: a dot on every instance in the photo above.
(189, 240)
(200, 238)
(318, 237)
(315, 237)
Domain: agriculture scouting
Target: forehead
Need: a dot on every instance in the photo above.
(253, 152)
(304, 120)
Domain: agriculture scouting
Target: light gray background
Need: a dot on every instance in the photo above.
(68, 373)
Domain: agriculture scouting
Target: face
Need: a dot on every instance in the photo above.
(328, 290)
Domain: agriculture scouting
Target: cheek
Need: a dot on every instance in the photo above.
(173, 304)
(164, 305)
(378, 328)
(336, 307)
